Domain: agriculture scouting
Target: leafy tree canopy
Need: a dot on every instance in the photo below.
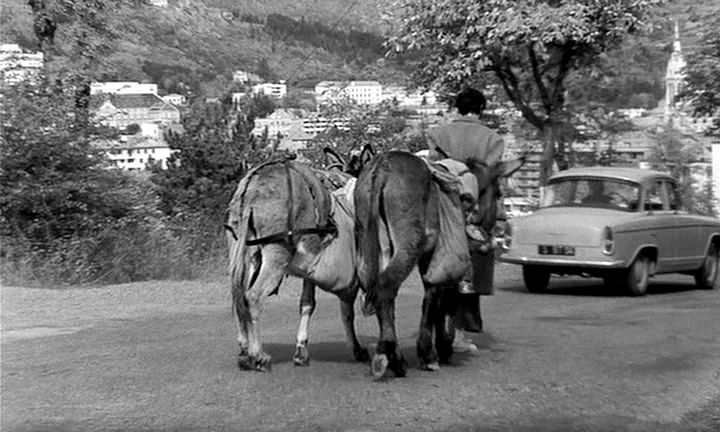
(213, 154)
(528, 46)
(702, 76)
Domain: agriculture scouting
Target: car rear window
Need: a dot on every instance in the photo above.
(592, 192)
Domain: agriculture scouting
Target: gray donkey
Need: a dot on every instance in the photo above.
(283, 220)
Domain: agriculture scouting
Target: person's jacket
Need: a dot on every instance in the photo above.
(464, 138)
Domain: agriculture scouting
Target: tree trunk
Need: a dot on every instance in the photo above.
(553, 149)
(44, 26)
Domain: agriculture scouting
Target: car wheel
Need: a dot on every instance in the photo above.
(706, 275)
(638, 276)
(536, 278)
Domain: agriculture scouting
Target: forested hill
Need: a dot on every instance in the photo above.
(200, 42)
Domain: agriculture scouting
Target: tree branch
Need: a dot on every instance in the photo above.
(510, 83)
(557, 98)
(542, 89)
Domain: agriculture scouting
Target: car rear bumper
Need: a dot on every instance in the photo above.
(561, 262)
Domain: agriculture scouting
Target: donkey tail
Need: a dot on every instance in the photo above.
(369, 240)
(240, 262)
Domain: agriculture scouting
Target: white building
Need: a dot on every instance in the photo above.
(406, 98)
(243, 77)
(123, 87)
(175, 99)
(674, 76)
(281, 122)
(17, 66)
(362, 92)
(317, 125)
(136, 153)
(274, 90)
(159, 3)
(715, 149)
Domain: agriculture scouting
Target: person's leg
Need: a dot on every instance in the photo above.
(467, 317)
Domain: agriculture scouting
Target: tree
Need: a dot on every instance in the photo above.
(75, 37)
(702, 77)
(529, 46)
(264, 70)
(64, 215)
(383, 126)
(212, 155)
(676, 153)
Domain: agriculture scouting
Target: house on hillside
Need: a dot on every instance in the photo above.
(362, 92)
(120, 110)
(175, 99)
(280, 123)
(123, 87)
(17, 66)
(243, 77)
(137, 152)
(274, 90)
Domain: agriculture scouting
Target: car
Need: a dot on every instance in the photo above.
(518, 206)
(623, 225)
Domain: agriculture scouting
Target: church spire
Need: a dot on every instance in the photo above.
(676, 43)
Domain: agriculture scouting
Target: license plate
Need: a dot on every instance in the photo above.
(556, 250)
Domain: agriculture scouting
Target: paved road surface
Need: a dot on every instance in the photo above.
(159, 356)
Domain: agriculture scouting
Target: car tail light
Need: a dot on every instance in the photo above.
(608, 242)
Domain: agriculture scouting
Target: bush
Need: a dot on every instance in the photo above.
(65, 216)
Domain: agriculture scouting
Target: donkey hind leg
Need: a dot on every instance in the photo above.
(307, 307)
(387, 356)
(425, 351)
(444, 322)
(274, 259)
(347, 312)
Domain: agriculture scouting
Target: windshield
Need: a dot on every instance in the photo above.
(592, 192)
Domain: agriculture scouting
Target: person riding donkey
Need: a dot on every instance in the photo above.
(468, 141)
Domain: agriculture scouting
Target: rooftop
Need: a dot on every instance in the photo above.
(123, 101)
(636, 175)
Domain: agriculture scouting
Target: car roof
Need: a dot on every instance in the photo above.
(637, 175)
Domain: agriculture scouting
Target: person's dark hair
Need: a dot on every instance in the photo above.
(470, 101)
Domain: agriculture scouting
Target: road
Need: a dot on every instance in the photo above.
(160, 356)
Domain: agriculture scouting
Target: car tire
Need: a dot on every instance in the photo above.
(637, 276)
(536, 278)
(706, 276)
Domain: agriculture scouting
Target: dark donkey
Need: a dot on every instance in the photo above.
(401, 220)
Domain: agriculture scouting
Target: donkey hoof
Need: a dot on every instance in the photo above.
(379, 365)
(263, 363)
(301, 356)
(399, 366)
(361, 354)
(244, 362)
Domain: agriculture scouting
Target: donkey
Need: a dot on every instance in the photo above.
(335, 177)
(283, 221)
(401, 220)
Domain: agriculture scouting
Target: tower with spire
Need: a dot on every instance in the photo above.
(674, 76)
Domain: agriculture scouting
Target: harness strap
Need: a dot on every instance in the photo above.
(290, 233)
(289, 221)
(330, 228)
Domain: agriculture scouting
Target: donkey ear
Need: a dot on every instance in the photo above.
(509, 167)
(332, 158)
(366, 154)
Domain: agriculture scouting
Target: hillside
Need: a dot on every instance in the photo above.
(202, 42)
(198, 43)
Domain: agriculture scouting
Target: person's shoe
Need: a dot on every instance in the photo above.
(463, 344)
